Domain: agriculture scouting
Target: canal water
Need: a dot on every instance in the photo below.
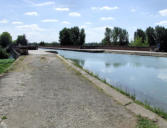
(142, 76)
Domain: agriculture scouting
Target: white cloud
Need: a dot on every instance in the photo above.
(102, 28)
(83, 26)
(45, 4)
(4, 21)
(65, 22)
(162, 75)
(74, 14)
(49, 20)
(109, 8)
(107, 18)
(31, 27)
(62, 9)
(164, 22)
(17, 22)
(133, 10)
(31, 13)
(105, 8)
(88, 23)
(163, 12)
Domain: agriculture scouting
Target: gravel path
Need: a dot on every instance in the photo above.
(43, 92)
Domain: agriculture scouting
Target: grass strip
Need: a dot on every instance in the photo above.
(5, 64)
(143, 122)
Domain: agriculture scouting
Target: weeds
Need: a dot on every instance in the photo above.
(4, 118)
(158, 111)
(4, 64)
(143, 122)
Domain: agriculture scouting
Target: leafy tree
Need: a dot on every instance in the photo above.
(150, 36)
(115, 34)
(5, 39)
(65, 37)
(120, 36)
(140, 34)
(123, 37)
(107, 38)
(72, 36)
(82, 37)
(42, 43)
(161, 37)
(21, 40)
(75, 33)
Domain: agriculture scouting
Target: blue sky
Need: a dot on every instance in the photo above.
(43, 19)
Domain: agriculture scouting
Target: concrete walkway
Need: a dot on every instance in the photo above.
(43, 92)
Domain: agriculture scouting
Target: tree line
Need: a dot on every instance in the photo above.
(150, 37)
(156, 37)
(6, 42)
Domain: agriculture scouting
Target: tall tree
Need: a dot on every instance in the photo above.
(65, 37)
(5, 39)
(75, 33)
(150, 36)
(140, 34)
(107, 38)
(82, 36)
(161, 37)
(120, 36)
(115, 34)
(72, 36)
(21, 40)
(123, 37)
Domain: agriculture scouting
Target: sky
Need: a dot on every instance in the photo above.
(41, 20)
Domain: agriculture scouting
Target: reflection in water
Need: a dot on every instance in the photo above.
(117, 65)
(107, 64)
(143, 75)
(79, 62)
(137, 64)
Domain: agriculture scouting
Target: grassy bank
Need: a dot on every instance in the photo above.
(158, 111)
(4, 64)
(145, 123)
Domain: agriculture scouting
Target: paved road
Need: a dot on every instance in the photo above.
(43, 92)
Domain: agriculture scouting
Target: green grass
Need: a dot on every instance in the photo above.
(158, 111)
(4, 64)
(143, 122)
(4, 118)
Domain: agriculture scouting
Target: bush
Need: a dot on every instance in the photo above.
(138, 43)
(3, 54)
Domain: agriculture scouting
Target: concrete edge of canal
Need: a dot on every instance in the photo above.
(117, 96)
(128, 52)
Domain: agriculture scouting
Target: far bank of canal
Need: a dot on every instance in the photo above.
(142, 76)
